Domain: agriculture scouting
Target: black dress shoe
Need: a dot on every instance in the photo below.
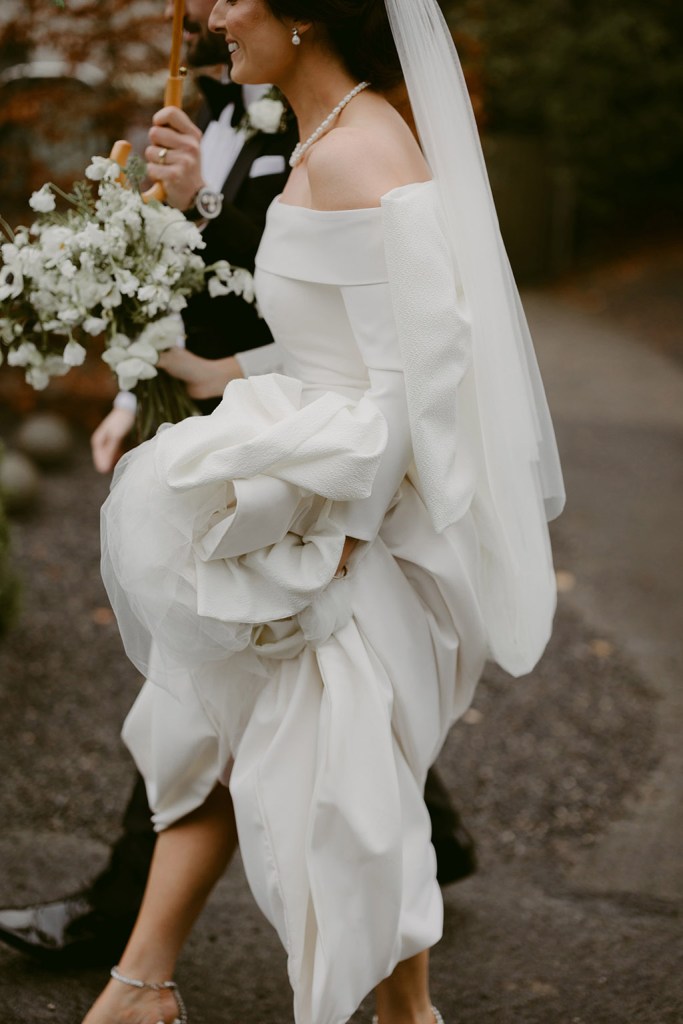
(68, 932)
(456, 856)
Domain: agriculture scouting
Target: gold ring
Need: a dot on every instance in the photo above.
(162, 155)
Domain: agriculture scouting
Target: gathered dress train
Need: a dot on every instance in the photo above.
(321, 701)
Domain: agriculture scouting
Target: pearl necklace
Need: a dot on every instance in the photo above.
(303, 147)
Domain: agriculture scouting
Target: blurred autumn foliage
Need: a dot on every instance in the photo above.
(71, 82)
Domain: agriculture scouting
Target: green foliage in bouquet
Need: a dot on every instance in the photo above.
(9, 586)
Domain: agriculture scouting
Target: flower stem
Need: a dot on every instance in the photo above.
(161, 400)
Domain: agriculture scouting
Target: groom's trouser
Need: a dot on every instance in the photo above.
(118, 890)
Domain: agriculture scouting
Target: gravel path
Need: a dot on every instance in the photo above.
(538, 766)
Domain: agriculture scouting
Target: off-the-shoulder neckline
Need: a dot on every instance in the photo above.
(277, 202)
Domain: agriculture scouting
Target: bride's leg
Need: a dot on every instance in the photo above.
(189, 858)
(403, 997)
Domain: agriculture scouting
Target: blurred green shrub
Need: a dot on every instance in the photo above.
(9, 587)
(602, 82)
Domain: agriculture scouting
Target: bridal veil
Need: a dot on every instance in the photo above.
(502, 400)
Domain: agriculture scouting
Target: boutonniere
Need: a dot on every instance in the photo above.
(268, 114)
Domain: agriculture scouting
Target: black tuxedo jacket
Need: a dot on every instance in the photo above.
(225, 325)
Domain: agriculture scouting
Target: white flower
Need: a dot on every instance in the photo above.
(6, 330)
(92, 237)
(127, 282)
(42, 201)
(131, 371)
(141, 349)
(25, 355)
(168, 227)
(55, 366)
(11, 283)
(177, 303)
(37, 377)
(94, 325)
(74, 354)
(154, 297)
(69, 315)
(244, 284)
(112, 299)
(229, 280)
(101, 168)
(119, 340)
(165, 333)
(265, 115)
(68, 269)
(54, 239)
(9, 251)
(55, 327)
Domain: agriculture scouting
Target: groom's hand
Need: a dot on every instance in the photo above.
(174, 157)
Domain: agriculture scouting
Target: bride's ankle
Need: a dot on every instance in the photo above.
(402, 1014)
(127, 1004)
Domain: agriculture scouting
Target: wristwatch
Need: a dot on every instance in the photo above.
(206, 205)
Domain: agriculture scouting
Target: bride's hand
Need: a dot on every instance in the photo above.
(107, 440)
(205, 378)
(347, 551)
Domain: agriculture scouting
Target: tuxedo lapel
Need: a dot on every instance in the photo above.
(203, 117)
(251, 149)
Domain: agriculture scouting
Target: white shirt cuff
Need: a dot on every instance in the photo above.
(126, 400)
(255, 361)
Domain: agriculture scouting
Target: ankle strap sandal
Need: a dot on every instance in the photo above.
(155, 986)
(437, 1017)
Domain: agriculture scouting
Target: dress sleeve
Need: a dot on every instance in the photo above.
(414, 336)
(264, 359)
(370, 316)
(435, 342)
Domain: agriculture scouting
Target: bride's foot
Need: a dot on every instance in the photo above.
(127, 1001)
(438, 1019)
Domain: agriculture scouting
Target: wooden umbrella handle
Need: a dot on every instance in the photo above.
(173, 97)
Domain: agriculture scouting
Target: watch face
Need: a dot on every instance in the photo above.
(208, 203)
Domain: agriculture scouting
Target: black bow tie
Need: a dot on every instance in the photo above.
(219, 94)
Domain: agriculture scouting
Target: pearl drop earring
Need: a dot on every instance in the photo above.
(296, 38)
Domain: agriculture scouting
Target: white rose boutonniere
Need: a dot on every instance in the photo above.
(265, 115)
(269, 114)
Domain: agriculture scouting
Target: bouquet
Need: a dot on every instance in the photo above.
(107, 265)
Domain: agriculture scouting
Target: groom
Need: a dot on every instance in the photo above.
(92, 926)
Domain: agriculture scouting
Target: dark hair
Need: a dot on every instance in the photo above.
(358, 30)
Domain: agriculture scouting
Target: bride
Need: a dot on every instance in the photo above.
(312, 577)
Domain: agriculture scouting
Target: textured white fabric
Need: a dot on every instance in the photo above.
(327, 717)
(242, 532)
(435, 339)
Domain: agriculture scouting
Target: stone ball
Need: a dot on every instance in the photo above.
(46, 438)
(19, 482)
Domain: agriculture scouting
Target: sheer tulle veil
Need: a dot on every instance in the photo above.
(503, 400)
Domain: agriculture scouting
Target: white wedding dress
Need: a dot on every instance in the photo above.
(323, 701)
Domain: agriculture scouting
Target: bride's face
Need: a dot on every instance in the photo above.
(260, 44)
